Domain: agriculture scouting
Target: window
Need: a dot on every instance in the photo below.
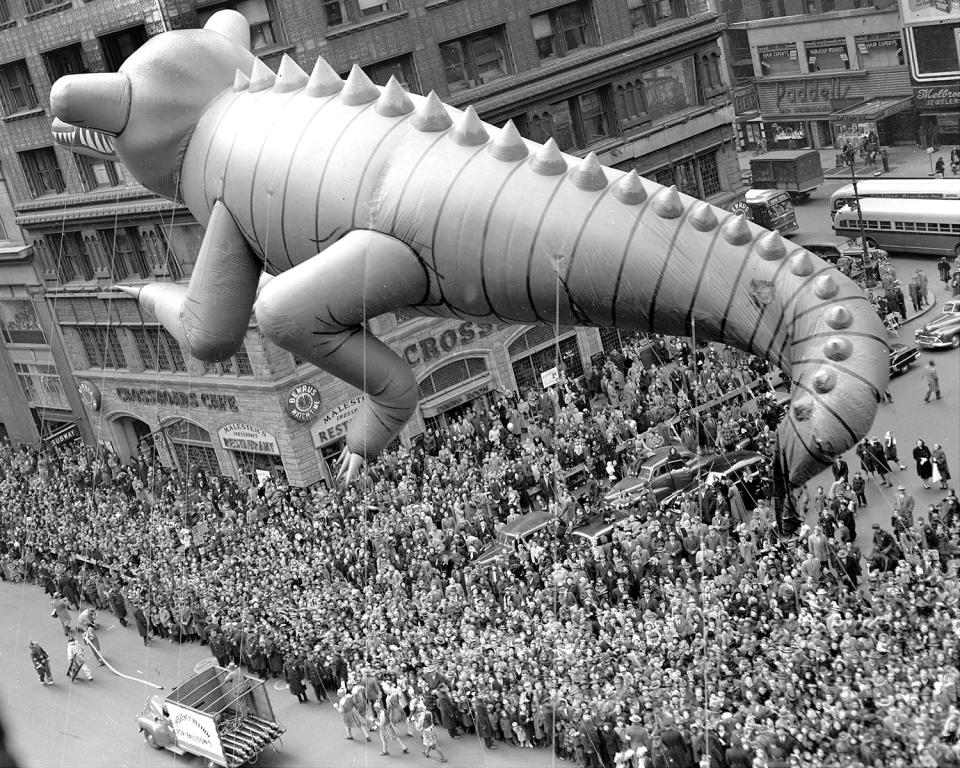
(238, 365)
(452, 374)
(101, 344)
(476, 59)
(338, 12)
(401, 67)
(527, 370)
(575, 123)
(19, 323)
(562, 30)
(158, 350)
(778, 59)
(885, 225)
(631, 106)
(697, 176)
(41, 385)
(64, 61)
(266, 30)
(710, 75)
(670, 89)
(5, 12)
(16, 88)
(96, 173)
(824, 55)
(118, 46)
(71, 257)
(878, 51)
(935, 46)
(42, 171)
(125, 250)
(39, 6)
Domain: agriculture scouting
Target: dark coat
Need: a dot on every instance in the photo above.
(449, 718)
(921, 455)
(293, 674)
(143, 626)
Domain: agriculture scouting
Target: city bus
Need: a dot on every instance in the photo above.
(908, 226)
(919, 189)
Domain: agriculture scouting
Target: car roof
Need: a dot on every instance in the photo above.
(598, 528)
(729, 460)
(525, 525)
(661, 453)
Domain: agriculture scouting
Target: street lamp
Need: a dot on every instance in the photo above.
(851, 159)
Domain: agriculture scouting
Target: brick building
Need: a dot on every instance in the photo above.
(639, 82)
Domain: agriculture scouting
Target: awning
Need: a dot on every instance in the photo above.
(874, 109)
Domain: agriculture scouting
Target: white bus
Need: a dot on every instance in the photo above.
(919, 189)
(908, 226)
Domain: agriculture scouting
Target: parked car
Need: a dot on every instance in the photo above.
(649, 471)
(742, 466)
(831, 249)
(943, 331)
(602, 526)
(901, 356)
(519, 529)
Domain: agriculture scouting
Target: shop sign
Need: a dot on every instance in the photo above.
(334, 424)
(939, 96)
(178, 398)
(303, 402)
(463, 397)
(246, 437)
(433, 347)
(809, 92)
(90, 395)
(68, 434)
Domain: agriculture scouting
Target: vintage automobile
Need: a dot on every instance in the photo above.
(651, 471)
(943, 331)
(221, 715)
(742, 466)
(520, 529)
(901, 356)
(832, 249)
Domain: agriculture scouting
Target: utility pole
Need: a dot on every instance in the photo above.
(851, 161)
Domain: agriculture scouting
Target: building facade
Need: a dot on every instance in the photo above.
(825, 73)
(932, 34)
(640, 82)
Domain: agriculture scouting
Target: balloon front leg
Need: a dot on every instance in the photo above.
(349, 466)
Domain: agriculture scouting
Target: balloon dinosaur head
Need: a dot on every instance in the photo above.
(153, 103)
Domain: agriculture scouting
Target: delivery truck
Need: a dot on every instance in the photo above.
(219, 714)
(796, 172)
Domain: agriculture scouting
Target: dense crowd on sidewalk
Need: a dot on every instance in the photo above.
(718, 630)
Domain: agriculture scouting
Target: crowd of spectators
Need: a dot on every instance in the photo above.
(700, 633)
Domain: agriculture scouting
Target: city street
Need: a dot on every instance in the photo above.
(93, 723)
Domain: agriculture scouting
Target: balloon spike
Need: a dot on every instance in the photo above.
(289, 76)
(468, 130)
(359, 89)
(431, 116)
(629, 190)
(393, 101)
(508, 145)
(548, 160)
(668, 204)
(240, 82)
(736, 231)
(324, 81)
(261, 77)
(589, 175)
(702, 218)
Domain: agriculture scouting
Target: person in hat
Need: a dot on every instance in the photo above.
(41, 662)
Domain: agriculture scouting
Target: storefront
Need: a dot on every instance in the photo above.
(538, 350)
(939, 108)
(817, 110)
(254, 450)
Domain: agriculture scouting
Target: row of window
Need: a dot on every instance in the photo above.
(41, 385)
(756, 10)
(873, 52)
(903, 226)
(157, 349)
(41, 169)
(117, 254)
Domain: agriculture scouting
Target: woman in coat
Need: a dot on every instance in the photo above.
(921, 455)
(143, 626)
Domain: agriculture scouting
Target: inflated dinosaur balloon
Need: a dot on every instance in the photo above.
(360, 200)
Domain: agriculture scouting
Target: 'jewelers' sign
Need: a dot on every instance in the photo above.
(938, 96)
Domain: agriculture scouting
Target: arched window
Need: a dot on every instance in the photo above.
(452, 374)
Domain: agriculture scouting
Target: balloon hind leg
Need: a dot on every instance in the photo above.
(318, 311)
